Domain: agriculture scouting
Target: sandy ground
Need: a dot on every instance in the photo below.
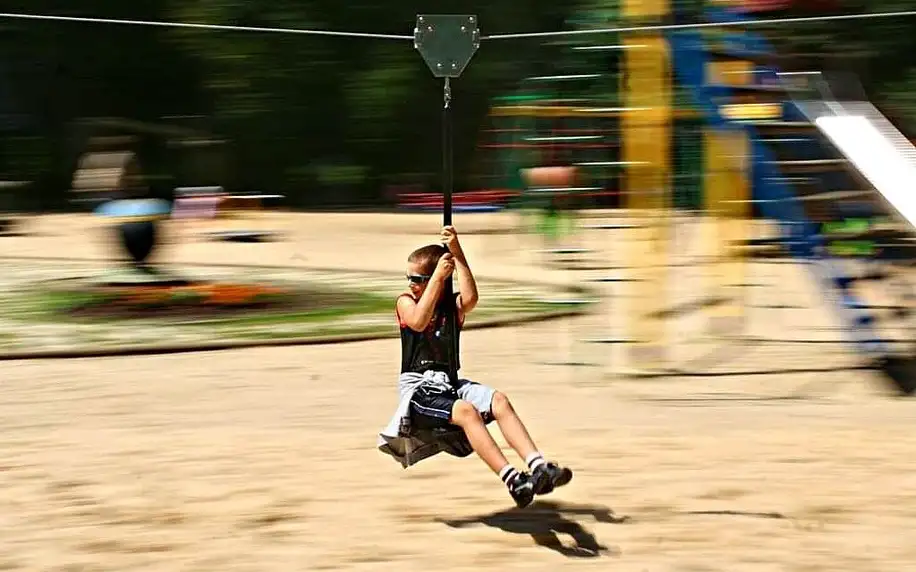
(265, 459)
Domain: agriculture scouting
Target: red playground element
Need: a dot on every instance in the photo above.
(761, 6)
(555, 177)
(471, 200)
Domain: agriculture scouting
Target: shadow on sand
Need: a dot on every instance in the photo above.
(545, 521)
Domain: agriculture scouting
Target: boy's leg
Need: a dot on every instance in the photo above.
(489, 401)
(437, 407)
(495, 405)
(466, 416)
(512, 428)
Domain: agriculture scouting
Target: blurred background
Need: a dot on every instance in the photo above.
(727, 208)
(332, 122)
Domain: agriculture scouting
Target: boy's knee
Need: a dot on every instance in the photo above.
(500, 404)
(464, 413)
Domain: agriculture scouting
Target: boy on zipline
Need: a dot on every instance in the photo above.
(432, 403)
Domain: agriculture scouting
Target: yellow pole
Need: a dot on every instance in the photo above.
(646, 149)
(727, 194)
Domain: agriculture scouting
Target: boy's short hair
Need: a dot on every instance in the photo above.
(427, 257)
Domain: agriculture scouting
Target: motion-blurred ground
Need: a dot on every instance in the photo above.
(265, 459)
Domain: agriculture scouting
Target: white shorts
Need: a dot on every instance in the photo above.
(432, 402)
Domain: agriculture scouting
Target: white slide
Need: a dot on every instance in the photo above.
(878, 150)
(882, 155)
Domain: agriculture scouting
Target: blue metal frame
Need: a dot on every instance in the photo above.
(802, 237)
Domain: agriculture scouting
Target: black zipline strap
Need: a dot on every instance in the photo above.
(448, 181)
(447, 174)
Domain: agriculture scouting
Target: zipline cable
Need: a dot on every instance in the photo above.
(306, 32)
(699, 25)
(163, 24)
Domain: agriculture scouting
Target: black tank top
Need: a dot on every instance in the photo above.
(427, 350)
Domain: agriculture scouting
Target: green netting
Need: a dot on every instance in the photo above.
(515, 98)
(688, 164)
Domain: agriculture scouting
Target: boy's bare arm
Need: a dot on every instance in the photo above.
(467, 285)
(418, 314)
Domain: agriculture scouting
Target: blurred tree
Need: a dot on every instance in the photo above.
(888, 70)
(58, 72)
(325, 120)
(338, 116)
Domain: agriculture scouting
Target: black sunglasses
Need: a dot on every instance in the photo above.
(418, 278)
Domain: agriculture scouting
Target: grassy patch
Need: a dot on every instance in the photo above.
(313, 327)
(51, 303)
(306, 306)
(300, 305)
(355, 304)
(325, 331)
(75, 313)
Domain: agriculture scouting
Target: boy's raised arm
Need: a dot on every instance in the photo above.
(467, 285)
(416, 315)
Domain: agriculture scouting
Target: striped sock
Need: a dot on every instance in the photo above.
(508, 474)
(535, 460)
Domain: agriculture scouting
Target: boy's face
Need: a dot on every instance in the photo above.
(417, 279)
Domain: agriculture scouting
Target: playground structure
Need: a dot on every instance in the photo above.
(111, 178)
(232, 217)
(700, 126)
(136, 198)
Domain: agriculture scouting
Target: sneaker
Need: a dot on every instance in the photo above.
(549, 476)
(522, 489)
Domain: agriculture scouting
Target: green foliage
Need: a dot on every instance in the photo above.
(324, 119)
